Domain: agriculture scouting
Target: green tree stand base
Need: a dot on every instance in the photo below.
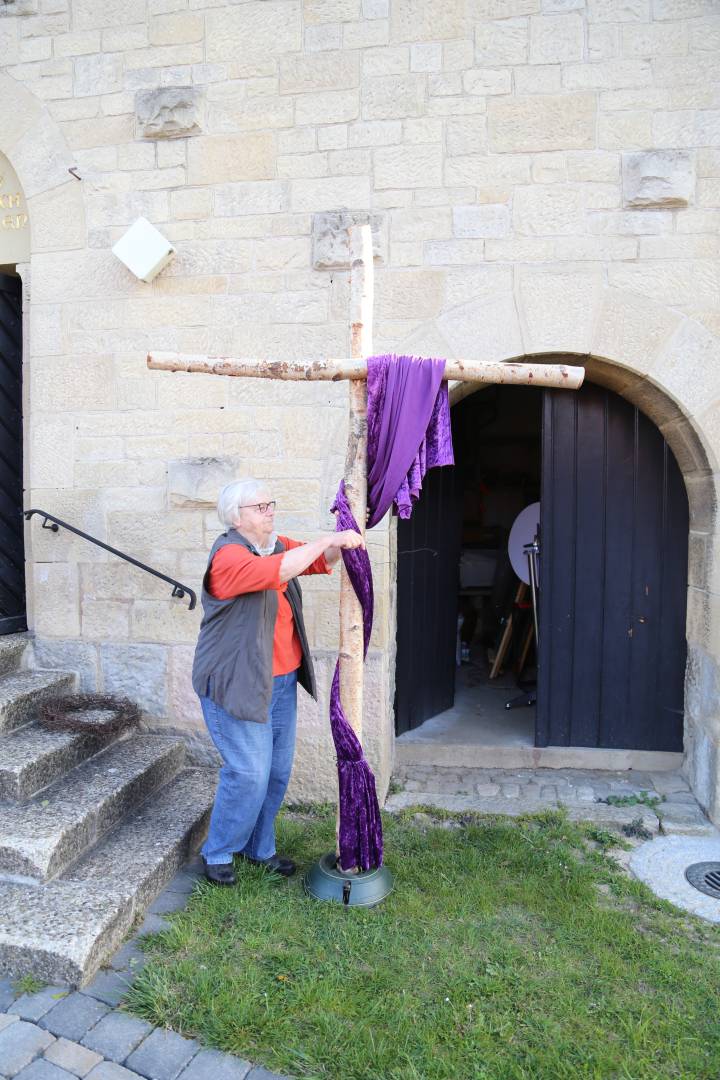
(324, 881)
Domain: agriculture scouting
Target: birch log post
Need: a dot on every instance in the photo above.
(351, 619)
(508, 373)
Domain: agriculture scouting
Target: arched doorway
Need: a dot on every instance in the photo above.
(613, 566)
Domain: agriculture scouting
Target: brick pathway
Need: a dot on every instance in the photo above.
(63, 1034)
(582, 792)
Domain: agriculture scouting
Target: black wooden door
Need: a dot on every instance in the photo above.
(428, 554)
(12, 553)
(613, 577)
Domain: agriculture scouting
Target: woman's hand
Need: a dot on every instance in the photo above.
(348, 539)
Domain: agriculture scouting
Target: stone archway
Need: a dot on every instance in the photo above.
(660, 360)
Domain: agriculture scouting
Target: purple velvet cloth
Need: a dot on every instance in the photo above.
(408, 433)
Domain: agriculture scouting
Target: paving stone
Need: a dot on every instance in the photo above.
(6, 1020)
(117, 1035)
(129, 958)
(152, 924)
(109, 986)
(511, 791)
(212, 1063)
(162, 1055)
(44, 1070)
(168, 901)
(108, 1070)
(33, 1006)
(7, 994)
(20, 1043)
(73, 1057)
(74, 1016)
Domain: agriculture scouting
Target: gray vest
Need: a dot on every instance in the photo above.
(233, 656)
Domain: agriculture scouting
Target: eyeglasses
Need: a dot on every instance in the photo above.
(262, 507)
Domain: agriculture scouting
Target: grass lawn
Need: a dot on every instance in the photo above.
(510, 949)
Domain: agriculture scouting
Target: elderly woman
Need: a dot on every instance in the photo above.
(251, 654)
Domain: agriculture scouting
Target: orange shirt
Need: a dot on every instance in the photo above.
(236, 570)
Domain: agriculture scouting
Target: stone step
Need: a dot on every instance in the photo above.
(34, 757)
(22, 691)
(38, 839)
(12, 647)
(64, 930)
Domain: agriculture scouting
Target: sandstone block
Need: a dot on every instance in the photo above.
(689, 367)
(622, 131)
(408, 166)
(538, 79)
(40, 157)
(375, 133)
(657, 178)
(484, 81)
(257, 197)
(105, 620)
(422, 223)
(393, 60)
(331, 11)
(352, 192)
(196, 482)
(483, 329)
(361, 35)
(176, 28)
(425, 57)
(548, 210)
(333, 138)
(322, 37)
(170, 112)
(425, 20)
(607, 75)
(556, 38)
(677, 283)
(165, 621)
(410, 294)
(331, 242)
(453, 252)
(619, 10)
(329, 107)
(98, 73)
(501, 42)
(71, 383)
(77, 656)
(254, 34)
(552, 122)
(58, 218)
(216, 159)
(56, 600)
(88, 15)
(481, 221)
(138, 672)
(466, 135)
(631, 329)
(558, 310)
(391, 97)
(51, 460)
(328, 71)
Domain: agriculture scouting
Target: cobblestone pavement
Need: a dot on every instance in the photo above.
(63, 1034)
(662, 801)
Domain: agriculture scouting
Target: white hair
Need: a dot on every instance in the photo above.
(233, 496)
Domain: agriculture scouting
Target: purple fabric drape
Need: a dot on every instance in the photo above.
(408, 433)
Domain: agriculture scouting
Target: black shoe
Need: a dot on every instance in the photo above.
(219, 873)
(277, 863)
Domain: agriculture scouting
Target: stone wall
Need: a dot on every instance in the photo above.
(543, 177)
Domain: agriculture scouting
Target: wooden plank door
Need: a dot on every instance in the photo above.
(428, 556)
(613, 577)
(12, 551)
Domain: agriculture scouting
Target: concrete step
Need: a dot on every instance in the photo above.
(22, 691)
(412, 749)
(64, 930)
(38, 839)
(12, 647)
(34, 757)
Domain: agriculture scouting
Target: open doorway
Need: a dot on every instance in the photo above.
(12, 549)
(613, 527)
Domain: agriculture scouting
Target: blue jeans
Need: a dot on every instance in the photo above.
(254, 777)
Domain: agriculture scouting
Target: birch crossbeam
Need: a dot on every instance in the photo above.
(555, 376)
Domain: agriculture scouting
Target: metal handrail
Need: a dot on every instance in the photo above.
(179, 590)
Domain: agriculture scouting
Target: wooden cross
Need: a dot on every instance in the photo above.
(355, 369)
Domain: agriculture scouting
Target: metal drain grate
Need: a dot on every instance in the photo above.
(705, 877)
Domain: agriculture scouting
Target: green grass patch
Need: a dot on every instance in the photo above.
(509, 950)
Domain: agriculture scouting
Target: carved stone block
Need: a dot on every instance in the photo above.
(172, 112)
(657, 178)
(331, 242)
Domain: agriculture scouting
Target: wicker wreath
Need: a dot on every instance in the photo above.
(100, 714)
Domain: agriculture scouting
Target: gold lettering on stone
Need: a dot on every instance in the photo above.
(14, 221)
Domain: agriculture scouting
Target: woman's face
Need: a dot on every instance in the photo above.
(256, 520)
